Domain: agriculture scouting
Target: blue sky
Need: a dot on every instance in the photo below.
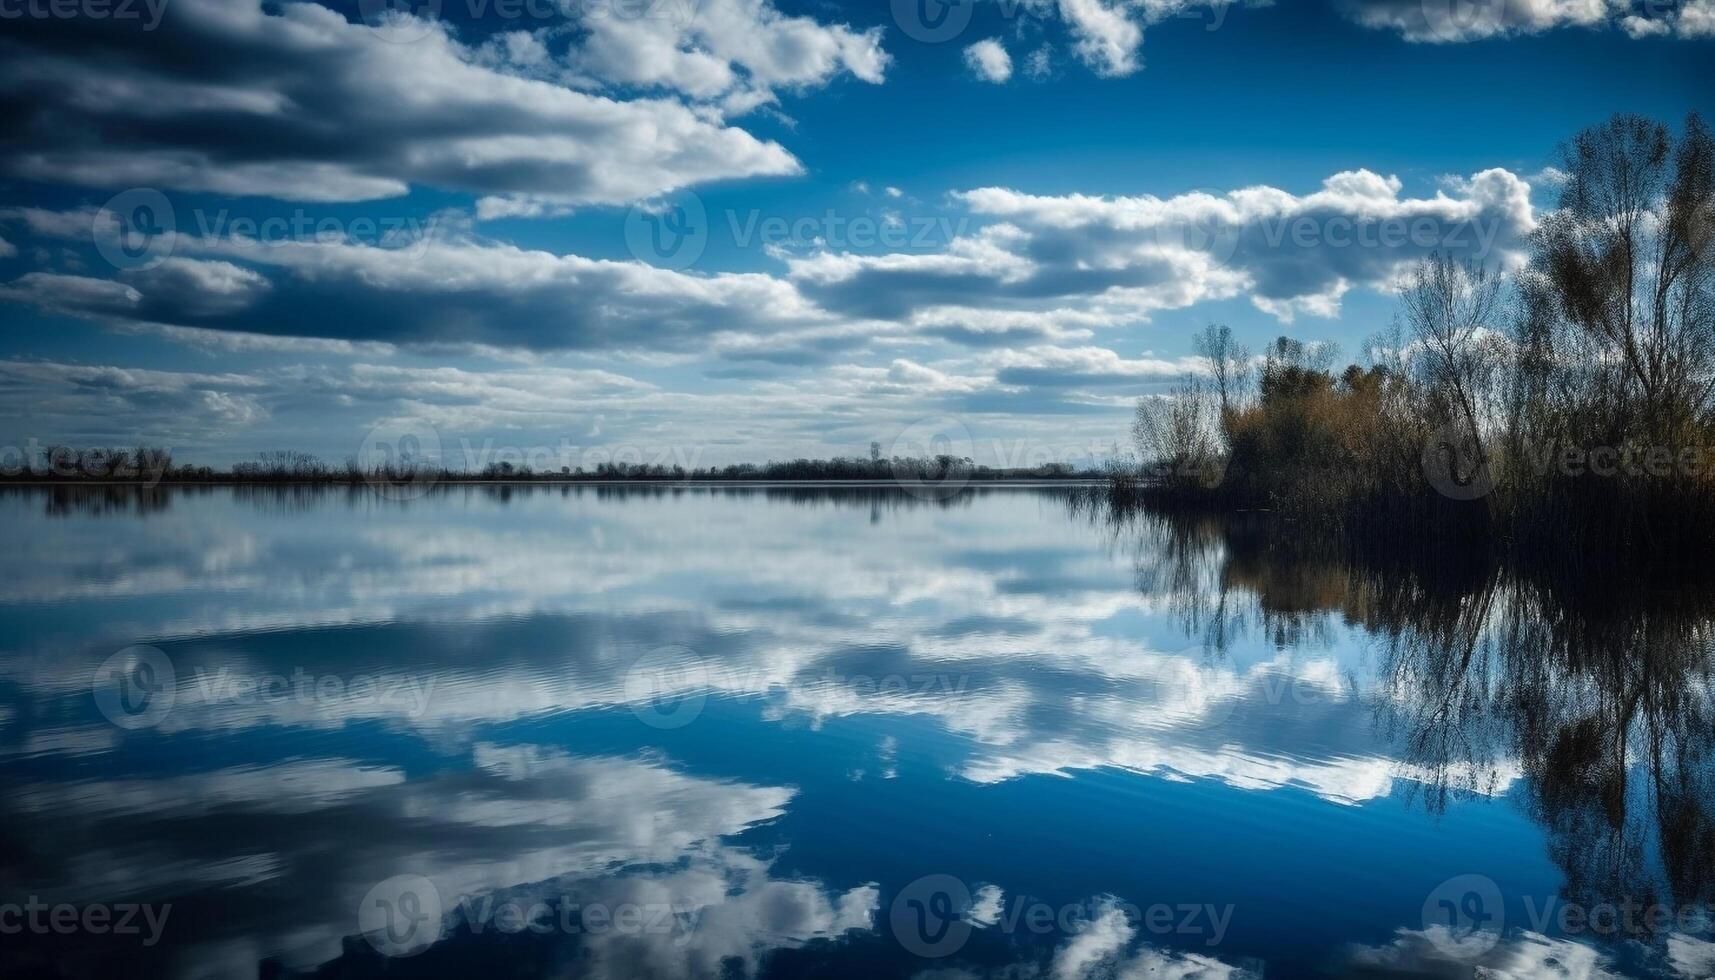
(705, 231)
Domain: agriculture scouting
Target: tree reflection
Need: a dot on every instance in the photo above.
(1600, 694)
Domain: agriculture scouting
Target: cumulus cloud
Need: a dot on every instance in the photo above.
(1128, 256)
(736, 53)
(1040, 270)
(988, 60)
(296, 102)
(442, 289)
(1448, 21)
(1107, 35)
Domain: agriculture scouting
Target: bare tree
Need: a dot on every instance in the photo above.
(1178, 433)
(1229, 365)
(1450, 307)
(1627, 261)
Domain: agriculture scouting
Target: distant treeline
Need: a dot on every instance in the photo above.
(1566, 408)
(151, 466)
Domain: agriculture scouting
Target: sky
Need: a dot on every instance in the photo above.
(563, 232)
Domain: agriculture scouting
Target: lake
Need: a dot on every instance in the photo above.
(831, 732)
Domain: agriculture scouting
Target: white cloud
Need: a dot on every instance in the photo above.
(1040, 64)
(430, 113)
(734, 52)
(1106, 37)
(1126, 257)
(436, 290)
(1452, 22)
(1041, 269)
(988, 60)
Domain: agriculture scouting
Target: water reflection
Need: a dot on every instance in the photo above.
(1056, 704)
(1596, 696)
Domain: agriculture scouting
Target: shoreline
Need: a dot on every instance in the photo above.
(1017, 483)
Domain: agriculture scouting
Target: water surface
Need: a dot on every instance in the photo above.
(698, 732)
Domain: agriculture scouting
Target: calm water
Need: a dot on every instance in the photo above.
(823, 733)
